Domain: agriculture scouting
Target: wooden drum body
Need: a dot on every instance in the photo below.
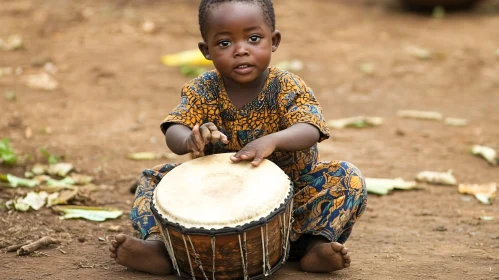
(235, 222)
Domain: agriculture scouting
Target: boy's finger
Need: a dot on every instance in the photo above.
(257, 159)
(211, 126)
(235, 158)
(206, 134)
(198, 140)
(215, 136)
(224, 138)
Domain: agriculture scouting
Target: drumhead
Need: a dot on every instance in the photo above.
(213, 192)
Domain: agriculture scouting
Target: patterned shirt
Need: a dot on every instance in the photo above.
(285, 100)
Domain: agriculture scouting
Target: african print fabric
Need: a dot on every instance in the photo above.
(329, 195)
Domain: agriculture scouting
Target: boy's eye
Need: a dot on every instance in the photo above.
(254, 38)
(224, 43)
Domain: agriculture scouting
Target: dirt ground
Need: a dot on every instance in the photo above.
(113, 92)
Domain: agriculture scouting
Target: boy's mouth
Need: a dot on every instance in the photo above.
(243, 68)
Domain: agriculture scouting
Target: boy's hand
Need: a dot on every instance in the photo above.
(256, 150)
(200, 136)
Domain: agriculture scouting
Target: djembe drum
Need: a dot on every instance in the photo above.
(225, 220)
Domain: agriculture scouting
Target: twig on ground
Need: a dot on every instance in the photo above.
(14, 248)
(62, 251)
(30, 248)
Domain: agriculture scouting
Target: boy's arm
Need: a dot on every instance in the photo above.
(175, 137)
(297, 137)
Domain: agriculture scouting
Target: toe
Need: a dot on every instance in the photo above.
(346, 265)
(346, 258)
(337, 247)
(113, 255)
(114, 243)
(344, 251)
(112, 249)
(120, 238)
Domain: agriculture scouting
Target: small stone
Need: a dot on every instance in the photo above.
(399, 132)
(102, 239)
(81, 239)
(49, 67)
(114, 229)
(28, 132)
(440, 228)
(149, 26)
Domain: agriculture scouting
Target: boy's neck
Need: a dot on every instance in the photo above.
(244, 93)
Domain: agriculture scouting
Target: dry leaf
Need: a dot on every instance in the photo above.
(486, 152)
(485, 193)
(423, 115)
(41, 81)
(59, 169)
(418, 52)
(455, 122)
(432, 177)
(13, 42)
(98, 214)
(357, 122)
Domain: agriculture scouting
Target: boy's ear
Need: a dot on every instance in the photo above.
(203, 47)
(276, 40)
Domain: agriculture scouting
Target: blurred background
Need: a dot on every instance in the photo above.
(85, 82)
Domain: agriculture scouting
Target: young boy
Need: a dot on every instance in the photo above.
(257, 112)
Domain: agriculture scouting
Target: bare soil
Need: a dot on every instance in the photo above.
(113, 92)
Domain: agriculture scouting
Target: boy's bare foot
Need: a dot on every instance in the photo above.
(143, 255)
(325, 257)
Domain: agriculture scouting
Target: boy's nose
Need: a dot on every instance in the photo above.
(240, 50)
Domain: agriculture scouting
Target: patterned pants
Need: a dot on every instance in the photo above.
(328, 201)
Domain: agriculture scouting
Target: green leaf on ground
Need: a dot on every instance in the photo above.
(97, 214)
(51, 159)
(382, 186)
(13, 181)
(7, 154)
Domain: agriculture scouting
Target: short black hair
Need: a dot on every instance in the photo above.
(205, 5)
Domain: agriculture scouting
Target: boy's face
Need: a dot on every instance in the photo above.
(239, 41)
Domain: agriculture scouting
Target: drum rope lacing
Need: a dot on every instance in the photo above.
(189, 258)
(267, 246)
(197, 260)
(244, 256)
(171, 252)
(289, 228)
(213, 240)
